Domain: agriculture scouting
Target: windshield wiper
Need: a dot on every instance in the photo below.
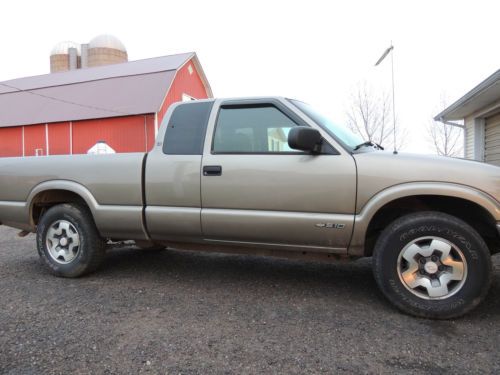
(368, 143)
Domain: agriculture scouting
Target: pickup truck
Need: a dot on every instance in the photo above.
(269, 176)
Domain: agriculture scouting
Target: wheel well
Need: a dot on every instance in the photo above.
(46, 199)
(470, 212)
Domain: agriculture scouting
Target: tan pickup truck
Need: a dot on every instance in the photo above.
(269, 176)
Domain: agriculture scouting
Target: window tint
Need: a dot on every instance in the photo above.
(253, 129)
(186, 129)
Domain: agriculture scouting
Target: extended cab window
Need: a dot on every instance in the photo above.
(255, 129)
(186, 129)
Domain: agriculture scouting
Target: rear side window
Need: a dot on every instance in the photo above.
(186, 129)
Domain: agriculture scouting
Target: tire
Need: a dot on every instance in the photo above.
(68, 241)
(447, 251)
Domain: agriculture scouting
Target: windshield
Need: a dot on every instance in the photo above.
(339, 132)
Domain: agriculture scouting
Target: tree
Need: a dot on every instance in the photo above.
(447, 139)
(370, 116)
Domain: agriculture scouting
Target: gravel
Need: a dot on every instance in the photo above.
(174, 312)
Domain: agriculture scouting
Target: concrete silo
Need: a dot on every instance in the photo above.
(65, 56)
(104, 50)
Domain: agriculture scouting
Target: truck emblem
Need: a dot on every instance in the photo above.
(330, 225)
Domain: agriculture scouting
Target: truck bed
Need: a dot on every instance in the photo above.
(100, 175)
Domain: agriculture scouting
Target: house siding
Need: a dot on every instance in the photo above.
(469, 137)
(492, 140)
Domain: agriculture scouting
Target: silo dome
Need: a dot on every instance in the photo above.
(107, 41)
(106, 49)
(60, 59)
(62, 48)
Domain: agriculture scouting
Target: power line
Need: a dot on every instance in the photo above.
(63, 100)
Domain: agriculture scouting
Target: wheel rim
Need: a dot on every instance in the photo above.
(432, 268)
(63, 241)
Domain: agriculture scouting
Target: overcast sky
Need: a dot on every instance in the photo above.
(316, 51)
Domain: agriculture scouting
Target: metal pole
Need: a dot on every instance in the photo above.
(393, 100)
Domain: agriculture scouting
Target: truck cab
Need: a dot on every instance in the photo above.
(225, 168)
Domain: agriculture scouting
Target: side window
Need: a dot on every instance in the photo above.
(255, 129)
(186, 129)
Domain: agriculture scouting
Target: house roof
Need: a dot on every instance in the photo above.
(484, 94)
(130, 88)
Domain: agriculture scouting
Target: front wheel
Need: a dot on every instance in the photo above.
(432, 265)
(68, 241)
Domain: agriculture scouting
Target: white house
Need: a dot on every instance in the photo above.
(480, 111)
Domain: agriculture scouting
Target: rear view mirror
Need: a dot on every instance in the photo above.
(305, 139)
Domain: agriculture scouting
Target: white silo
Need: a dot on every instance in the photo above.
(60, 56)
(106, 49)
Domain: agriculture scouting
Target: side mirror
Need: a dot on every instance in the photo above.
(305, 139)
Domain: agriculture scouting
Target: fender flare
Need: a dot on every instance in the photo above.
(67, 185)
(383, 197)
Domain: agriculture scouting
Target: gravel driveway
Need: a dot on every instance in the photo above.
(192, 313)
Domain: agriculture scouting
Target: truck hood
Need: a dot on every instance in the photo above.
(379, 170)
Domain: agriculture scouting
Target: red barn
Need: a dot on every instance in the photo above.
(122, 104)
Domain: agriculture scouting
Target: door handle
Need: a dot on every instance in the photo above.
(212, 170)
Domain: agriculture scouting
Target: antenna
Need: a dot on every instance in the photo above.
(384, 55)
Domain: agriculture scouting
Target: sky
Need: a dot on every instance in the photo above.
(316, 51)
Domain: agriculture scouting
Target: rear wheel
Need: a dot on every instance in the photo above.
(68, 241)
(432, 265)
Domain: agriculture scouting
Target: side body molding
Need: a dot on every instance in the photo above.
(368, 211)
(114, 221)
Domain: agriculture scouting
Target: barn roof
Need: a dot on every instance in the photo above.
(130, 88)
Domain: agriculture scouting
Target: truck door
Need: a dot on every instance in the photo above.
(172, 175)
(255, 189)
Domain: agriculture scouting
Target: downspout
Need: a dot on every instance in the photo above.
(461, 126)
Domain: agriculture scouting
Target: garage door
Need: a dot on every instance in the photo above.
(492, 140)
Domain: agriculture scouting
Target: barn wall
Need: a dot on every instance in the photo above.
(123, 134)
(184, 83)
(34, 139)
(150, 131)
(11, 141)
(59, 138)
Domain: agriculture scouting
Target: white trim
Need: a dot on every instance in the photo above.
(193, 59)
(47, 140)
(203, 77)
(173, 80)
(466, 134)
(186, 97)
(71, 137)
(487, 111)
(156, 124)
(22, 136)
